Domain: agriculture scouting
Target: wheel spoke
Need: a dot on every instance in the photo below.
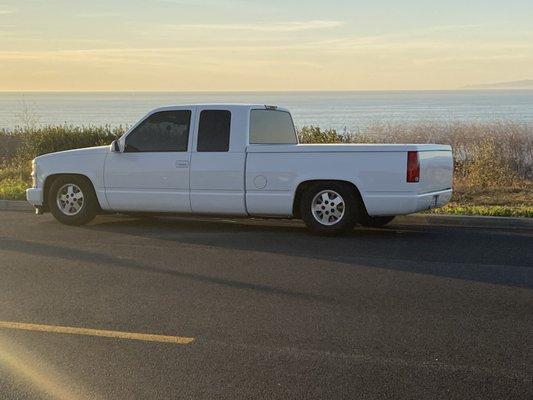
(336, 213)
(336, 201)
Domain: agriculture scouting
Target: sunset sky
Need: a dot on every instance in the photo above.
(263, 45)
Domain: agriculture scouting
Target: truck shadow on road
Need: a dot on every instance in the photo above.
(472, 255)
(489, 256)
(67, 253)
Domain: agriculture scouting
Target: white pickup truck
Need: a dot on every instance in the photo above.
(241, 160)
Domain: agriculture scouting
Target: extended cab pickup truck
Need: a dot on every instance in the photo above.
(241, 160)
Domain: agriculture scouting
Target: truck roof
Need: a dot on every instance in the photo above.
(246, 106)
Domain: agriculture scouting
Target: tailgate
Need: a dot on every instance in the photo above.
(436, 170)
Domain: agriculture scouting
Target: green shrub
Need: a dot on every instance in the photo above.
(314, 134)
(49, 139)
(521, 210)
(13, 189)
(20, 145)
(18, 172)
(9, 143)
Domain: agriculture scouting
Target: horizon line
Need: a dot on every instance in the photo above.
(462, 89)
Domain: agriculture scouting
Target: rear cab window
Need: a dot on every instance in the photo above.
(270, 126)
(214, 131)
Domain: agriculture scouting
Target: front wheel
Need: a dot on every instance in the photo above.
(72, 200)
(329, 208)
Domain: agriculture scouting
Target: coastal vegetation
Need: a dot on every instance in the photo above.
(493, 162)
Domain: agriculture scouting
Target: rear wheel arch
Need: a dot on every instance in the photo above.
(303, 186)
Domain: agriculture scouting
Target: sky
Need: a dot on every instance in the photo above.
(272, 45)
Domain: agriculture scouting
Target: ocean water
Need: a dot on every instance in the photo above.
(349, 111)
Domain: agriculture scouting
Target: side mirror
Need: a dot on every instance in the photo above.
(115, 148)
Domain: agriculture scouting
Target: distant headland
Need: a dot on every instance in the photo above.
(523, 84)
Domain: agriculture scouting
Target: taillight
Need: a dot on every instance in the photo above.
(413, 166)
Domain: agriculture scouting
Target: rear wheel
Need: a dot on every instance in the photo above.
(72, 200)
(376, 222)
(329, 208)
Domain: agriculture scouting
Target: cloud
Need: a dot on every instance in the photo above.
(342, 46)
(290, 26)
(6, 12)
(211, 3)
(98, 15)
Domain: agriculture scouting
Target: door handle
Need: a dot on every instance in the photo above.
(182, 164)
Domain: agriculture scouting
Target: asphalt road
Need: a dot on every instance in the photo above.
(408, 312)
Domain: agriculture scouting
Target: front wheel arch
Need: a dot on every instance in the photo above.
(50, 179)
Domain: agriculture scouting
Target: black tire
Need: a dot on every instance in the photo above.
(87, 207)
(351, 207)
(376, 222)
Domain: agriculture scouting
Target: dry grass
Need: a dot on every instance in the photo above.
(502, 196)
(493, 162)
(505, 149)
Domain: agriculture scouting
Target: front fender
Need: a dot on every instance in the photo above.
(89, 166)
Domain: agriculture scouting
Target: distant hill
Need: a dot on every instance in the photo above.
(524, 84)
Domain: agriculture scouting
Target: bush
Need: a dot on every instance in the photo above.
(313, 134)
(9, 143)
(13, 189)
(488, 157)
(49, 139)
(20, 145)
(485, 154)
(488, 168)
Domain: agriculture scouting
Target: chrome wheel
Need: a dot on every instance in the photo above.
(328, 207)
(70, 199)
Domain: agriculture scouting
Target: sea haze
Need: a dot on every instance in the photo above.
(340, 110)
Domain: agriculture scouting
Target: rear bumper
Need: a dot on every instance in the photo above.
(431, 200)
(401, 204)
(34, 196)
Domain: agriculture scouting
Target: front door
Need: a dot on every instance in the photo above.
(152, 172)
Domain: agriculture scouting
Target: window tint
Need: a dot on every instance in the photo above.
(214, 129)
(162, 131)
(271, 127)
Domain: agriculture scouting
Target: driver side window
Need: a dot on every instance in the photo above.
(164, 131)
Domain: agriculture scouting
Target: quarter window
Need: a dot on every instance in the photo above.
(214, 130)
(164, 131)
(271, 127)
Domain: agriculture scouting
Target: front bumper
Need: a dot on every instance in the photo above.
(35, 196)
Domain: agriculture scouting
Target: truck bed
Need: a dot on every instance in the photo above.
(378, 171)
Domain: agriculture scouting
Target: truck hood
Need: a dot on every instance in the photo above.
(88, 151)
